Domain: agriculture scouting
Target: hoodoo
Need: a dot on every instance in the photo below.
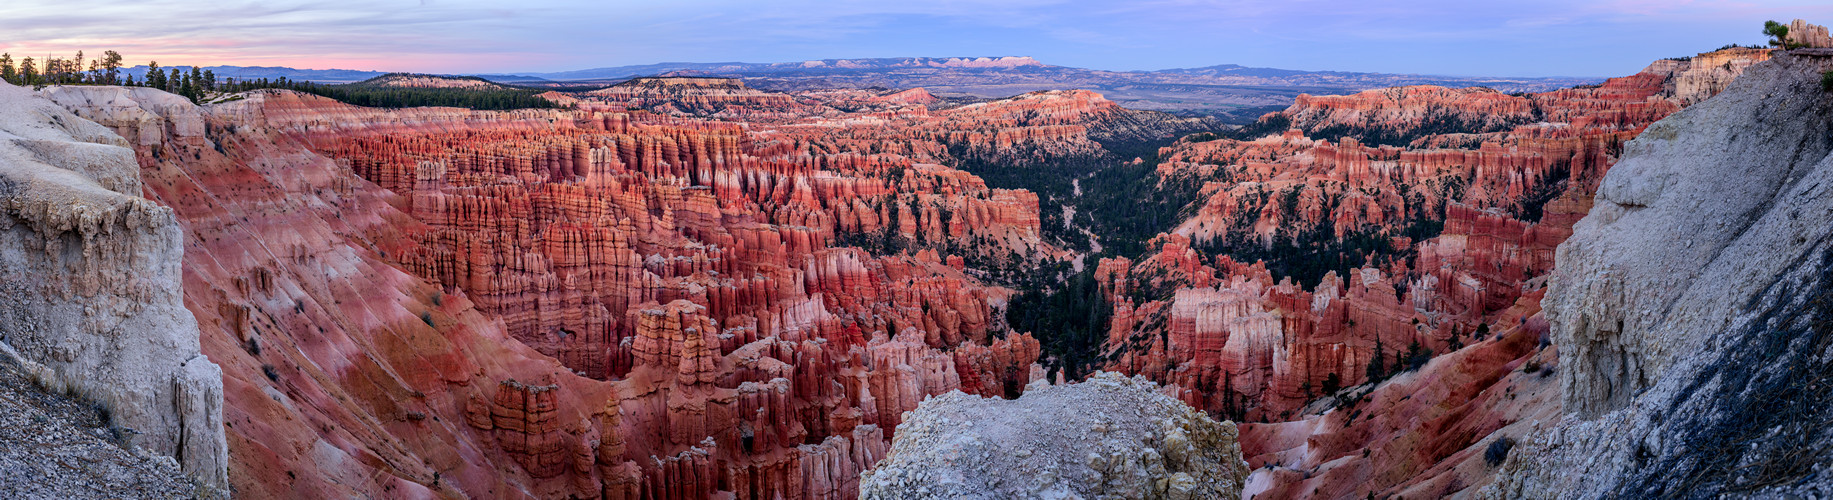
(912, 277)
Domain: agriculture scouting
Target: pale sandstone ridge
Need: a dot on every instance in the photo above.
(1692, 306)
(1107, 437)
(413, 81)
(89, 284)
(1809, 35)
(1696, 78)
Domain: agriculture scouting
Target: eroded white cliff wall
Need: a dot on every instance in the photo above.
(1693, 307)
(89, 283)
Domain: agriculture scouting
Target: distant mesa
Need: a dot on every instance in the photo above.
(418, 81)
(684, 82)
(951, 62)
(917, 95)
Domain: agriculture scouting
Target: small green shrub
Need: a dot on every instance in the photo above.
(1826, 81)
(1498, 451)
(103, 413)
(1417, 356)
(121, 436)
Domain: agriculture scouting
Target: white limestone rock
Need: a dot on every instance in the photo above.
(1108, 437)
(90, 283)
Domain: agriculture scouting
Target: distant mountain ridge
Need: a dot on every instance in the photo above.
(271, 73)
(815, 66)
(1234, 93)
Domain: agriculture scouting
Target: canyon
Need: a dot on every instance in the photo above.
(693, 286)
(1231, 92)
(600, 302)
(1447, 207)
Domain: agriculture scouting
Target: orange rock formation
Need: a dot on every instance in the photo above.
(623, 300)
(1507, 184)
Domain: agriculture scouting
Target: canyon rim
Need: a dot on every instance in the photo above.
(906, 277)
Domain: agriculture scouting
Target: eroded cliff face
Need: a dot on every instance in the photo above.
(1106, 437)
(90, 284)
(1424, 433)
(1691, 306)
(344, 376)
(1449, 238)
(1489, 208)
(685, 287)
(596, 303)
(1699, 77)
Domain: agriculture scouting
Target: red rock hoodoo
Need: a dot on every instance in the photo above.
(654, 295)
(1504, 176)
(681, 287)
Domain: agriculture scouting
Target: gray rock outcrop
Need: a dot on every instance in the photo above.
(1107, 437)
(1693, 307)
(90, 293)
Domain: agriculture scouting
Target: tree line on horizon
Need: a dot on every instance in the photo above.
(376, 96)
(105, 70)
(198, 84)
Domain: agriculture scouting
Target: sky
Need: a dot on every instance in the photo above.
(1474, 38)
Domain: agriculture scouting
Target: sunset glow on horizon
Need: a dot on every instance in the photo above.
(1457, 38)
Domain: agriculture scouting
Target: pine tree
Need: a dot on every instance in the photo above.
(7, 71)
(194, 84)
(174, 81)
(111, 67)
(1417, 356)
(155, 77)
(1778, 34)
(1376, 368)
(28, 75)
(76, 66)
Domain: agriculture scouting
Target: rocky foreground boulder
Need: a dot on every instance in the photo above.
(1108, 437)
(1693, 307)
